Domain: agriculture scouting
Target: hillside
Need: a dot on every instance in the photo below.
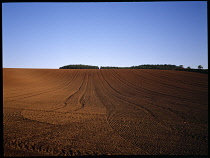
(104, 111)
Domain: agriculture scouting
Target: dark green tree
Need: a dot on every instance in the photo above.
(79, 66)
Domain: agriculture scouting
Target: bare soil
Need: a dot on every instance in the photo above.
(63, 112)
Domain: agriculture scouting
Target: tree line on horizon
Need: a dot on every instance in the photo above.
(145, 66)
(79, 66)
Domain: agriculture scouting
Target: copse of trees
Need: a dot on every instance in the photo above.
(203, 71)
(158, 66)
(145, 66)
(113, 67)
(199, 70)
(200, 67)
(79, 66)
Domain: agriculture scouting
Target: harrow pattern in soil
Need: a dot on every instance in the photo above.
(104, 112)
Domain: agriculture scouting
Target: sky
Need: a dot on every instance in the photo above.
(51, 35)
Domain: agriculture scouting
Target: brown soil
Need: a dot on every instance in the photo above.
(104, 112)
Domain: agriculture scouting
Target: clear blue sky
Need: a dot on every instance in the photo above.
(51, 35)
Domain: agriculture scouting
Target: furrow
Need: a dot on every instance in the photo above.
(177, 77)
(47, 77)
(175, 113)
(94, 112)
(48, 90)
(41, 89)
(65, 103)
(154, 91)
(81, 98)
(126, 83)
(150, 79)
(111, 109)
(152, 126)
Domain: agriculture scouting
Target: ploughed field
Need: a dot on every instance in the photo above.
(107, 111)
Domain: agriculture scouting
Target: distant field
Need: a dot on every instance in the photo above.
(108, 111)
